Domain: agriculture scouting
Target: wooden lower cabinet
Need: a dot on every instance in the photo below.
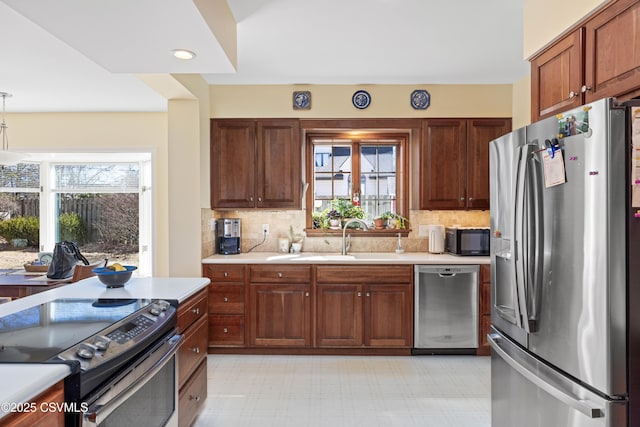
(280, 315)
(484, 310)
(192, 357)
(376, 311)
(38, 418)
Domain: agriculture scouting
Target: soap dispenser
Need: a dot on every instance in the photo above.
(399, 248)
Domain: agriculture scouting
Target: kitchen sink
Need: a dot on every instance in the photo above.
(326, 258)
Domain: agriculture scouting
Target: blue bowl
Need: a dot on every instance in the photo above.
(114, 279)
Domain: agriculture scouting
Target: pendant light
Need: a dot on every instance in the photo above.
(7, 158)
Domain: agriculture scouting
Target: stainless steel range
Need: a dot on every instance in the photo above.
(115, 348)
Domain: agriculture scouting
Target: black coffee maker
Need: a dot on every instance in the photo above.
(228, 236)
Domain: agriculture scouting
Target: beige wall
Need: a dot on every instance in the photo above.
(544, 20)
(521, 103)
(334, 101)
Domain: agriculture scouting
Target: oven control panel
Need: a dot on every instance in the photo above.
(137, 329)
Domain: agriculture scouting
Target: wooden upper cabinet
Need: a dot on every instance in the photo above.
(480, 132)
(443, 163)
(279, 164)
(600, 58)
(454, 162)
(256, 164)
(556, 77)
(612, 54)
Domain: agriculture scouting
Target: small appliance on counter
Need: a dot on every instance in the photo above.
(467, 241)
(228, 236)
(436, 239)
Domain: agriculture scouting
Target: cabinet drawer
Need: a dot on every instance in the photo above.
(280, 274)
(192, 396)
(392, 274)
(190, 310)
(226, 330)
(223, 272)
(226, 299)
(193, 349)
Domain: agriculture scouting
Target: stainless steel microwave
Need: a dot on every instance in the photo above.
(467, 241)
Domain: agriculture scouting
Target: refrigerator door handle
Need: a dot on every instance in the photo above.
(520, 234)
(585, 407)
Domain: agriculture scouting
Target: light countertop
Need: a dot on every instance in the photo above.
(353, 258)
(22, 382)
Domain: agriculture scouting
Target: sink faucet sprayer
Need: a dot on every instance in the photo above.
(346, 245)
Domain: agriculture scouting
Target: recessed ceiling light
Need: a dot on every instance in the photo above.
(183, 54)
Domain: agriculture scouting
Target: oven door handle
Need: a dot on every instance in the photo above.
(98, 411)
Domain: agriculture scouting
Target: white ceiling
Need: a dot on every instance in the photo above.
(82, 55)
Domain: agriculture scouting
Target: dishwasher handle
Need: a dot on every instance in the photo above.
(447, 275)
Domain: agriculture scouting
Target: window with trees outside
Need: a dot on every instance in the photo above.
(363, 176)
(104, 206)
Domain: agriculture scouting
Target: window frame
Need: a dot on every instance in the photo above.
(356, 136)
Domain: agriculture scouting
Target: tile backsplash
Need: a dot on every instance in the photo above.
(279, 222)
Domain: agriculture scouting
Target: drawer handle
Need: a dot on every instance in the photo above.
(225, 299)
(225, 330)
(195, 311)
(225, 274)
(280, 275)
(196, 350)
(196, 398)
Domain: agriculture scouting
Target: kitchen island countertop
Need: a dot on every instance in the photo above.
(354, 258)
(23, 382)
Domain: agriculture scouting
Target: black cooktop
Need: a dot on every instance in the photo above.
(39, 333)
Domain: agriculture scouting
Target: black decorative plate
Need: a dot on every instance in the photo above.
(361, 99)
(420, 99)
(301, 100)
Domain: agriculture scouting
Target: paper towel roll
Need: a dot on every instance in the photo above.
(436, 239)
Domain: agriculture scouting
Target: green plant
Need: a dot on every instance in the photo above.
(72, 227)
(400, 220)
(22, 227)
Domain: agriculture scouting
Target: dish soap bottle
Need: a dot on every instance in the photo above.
(399, 248)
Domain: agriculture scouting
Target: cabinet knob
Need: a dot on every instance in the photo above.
(573, 94)
(259, 199)
(195, 311)
(306, 294)
(462, 198)
(192, 397)
(359, 294)
(251, 199)
(196, 350)
(280, 275)
(225, 330)
(471, 199)
(368, 294)
(585, 88)
(225, 274)
(225, 299)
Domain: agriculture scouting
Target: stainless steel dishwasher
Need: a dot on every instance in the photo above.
(446, 309)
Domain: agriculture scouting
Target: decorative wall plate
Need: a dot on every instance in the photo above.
(302, 100)
(420, 99)
(361, 99)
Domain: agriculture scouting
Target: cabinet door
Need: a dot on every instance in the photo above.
(233, 169)
(279, 164)
(556, 77)
(479, 133)
(442, 164)
(388, 316)
(613, 51)
(280, 315)
(339, 316)
(484, 310)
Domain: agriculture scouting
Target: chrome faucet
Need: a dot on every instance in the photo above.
(346, 245)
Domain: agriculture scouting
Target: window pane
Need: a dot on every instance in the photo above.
(332, 172)
(378, 164)
(22, 175)
(98, 177)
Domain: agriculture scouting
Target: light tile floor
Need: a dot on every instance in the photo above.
(344, 391)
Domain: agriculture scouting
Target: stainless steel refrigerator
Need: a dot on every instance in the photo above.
(565, 270)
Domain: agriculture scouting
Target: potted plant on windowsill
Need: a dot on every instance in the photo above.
(334, 218)
(394, 220)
